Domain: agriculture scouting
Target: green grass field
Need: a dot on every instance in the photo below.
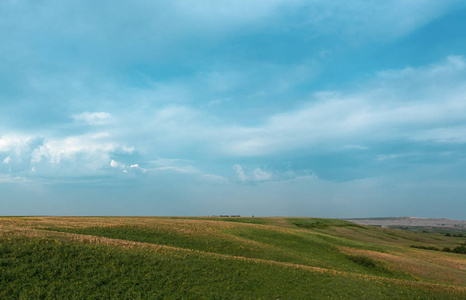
(216, 258)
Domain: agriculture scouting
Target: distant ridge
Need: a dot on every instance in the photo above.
(413, 223)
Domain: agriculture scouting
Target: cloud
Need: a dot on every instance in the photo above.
(255, 176)
(409, 104)
(261, 175)
(7, 178)
(56, 150)
(372, 19)
(390, 156)
(93, 118)
(13, 143)
(125, 168)
(186, 169)
(135, 31)
(381, 111)
(175, 165)
(355, 147)
(213, 178)
(446, 135)
(423, 104)
(53, 157)
(240, 173)
(178, 167)
(18, 149)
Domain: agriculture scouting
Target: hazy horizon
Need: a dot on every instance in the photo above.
(330, 109)
(221, 216)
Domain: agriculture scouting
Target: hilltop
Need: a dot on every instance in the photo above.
(178, 257)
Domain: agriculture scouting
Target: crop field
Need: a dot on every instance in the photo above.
(223, 258)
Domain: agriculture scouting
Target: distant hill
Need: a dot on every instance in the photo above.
(415, 224)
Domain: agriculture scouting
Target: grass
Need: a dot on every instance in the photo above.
(269, 258)
(365, 261)
(317, 223)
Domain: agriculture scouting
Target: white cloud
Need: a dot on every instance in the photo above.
(389, 156)
(257, 175)
(213, 178)
(182, 166)
(77, 155)
(5, 144)
(14, 143)
(167, 162)
(261, 175)
(409, 104)
(382, 111)
(125, 168)
(451, 134)
(240, 173)
(355, 147)
(7, 178)
(413, 104)
(89, 145)
(18, 150)
(175, 165)
(93, 118)
(185, 169)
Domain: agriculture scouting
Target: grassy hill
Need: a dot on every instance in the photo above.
(269, 258)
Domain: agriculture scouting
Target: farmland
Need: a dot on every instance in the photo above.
(270, 258)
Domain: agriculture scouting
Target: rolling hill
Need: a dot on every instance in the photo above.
(181, 257)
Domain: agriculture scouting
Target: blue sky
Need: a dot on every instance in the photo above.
(266, 108)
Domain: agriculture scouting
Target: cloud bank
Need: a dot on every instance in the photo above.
(220, 105)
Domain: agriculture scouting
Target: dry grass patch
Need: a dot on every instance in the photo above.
(430, 267)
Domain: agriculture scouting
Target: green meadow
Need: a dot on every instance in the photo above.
(223, 258)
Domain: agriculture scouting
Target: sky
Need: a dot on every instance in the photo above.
(314, 108)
